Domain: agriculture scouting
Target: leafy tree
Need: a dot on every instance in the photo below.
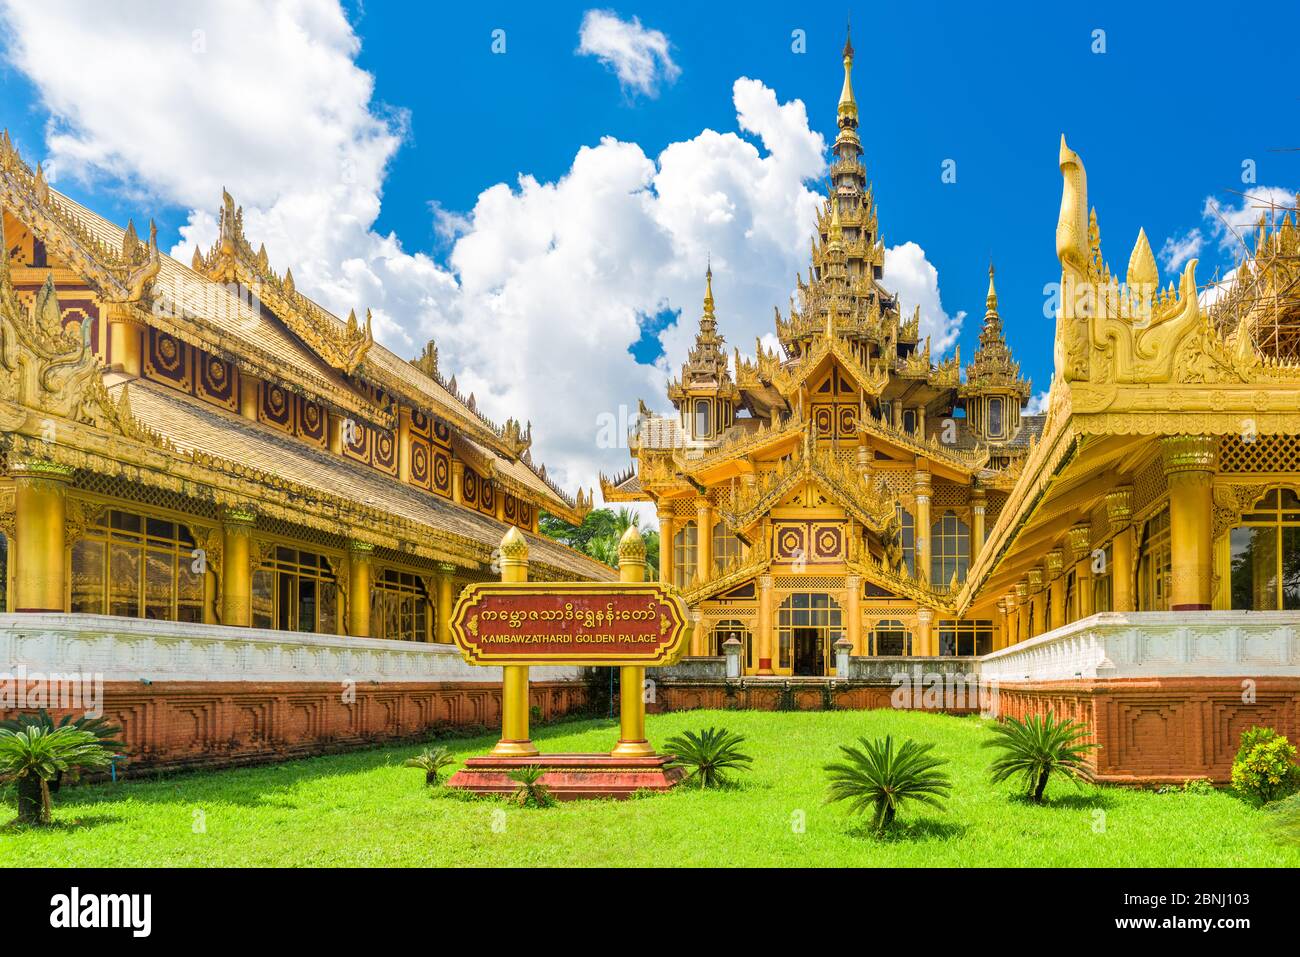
(878, 778)
(599, 534)
(708, 755)
(1036, 749)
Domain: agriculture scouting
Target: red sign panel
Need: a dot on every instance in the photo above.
(585, 623)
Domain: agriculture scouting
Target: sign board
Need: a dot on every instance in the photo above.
(570, 623)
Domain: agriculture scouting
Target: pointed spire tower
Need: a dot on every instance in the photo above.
(848, 257)
(994, 390)
(706, 395)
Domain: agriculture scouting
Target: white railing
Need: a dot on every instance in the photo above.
(134, 649)
(1155, 644)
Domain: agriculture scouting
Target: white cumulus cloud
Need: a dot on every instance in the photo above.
(641, 58)
(545, 285)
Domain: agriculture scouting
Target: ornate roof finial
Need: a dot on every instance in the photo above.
(991, 300)
(847, 103)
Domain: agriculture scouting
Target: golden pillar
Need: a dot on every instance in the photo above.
(921, 534)
(977, 505)
(1080, 540)
(458, 481)
(703, 541)
(1023, 610)
(514, 741)
(631, 678)
(125, 339)
(360, 567)
(404, 444)
(666, 547)
(1190, 462)
(248, 395)
(445, 600)
(1119, 513)
(335, 432)
(853, 609)
(1002, 637)
(40, 510)
(1055, 590)
(1037, 603)
(237, 567)
(924, 644)
(766, 637)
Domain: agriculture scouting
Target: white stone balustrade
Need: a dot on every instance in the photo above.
(1153, 644)
(134, 649)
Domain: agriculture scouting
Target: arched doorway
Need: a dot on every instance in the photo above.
(808, 625)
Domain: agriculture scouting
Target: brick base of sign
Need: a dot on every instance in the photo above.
(571, 777)
(212, 724)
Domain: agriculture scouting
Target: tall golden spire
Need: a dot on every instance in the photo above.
(991, 300)
(848, 108)
(708, 291)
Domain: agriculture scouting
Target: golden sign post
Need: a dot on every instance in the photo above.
(515, 623)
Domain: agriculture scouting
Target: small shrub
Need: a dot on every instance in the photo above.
(1198, 786)
(529, 789)
(35, 755)
(1036, 749)
(1249, 738)
(432, 762)
(1267, 771)
(708, 755)
(880, 779)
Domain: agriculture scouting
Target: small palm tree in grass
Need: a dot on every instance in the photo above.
(529, 789)
(879, 778)
(1035, 749)
(432, 762)
(708, 755)
(35, 755)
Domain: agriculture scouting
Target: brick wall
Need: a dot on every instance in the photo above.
(190, 724)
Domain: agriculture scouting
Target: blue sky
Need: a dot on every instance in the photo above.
(1164, 119)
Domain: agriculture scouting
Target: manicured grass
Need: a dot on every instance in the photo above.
(365, 809)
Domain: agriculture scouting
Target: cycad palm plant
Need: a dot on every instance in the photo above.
(34, 755)
(529, 789)
(878, 778)
(708, 755)
(108, 734)
(1037, 748)
(432, 762)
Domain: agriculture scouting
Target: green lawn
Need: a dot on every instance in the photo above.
(364, 809)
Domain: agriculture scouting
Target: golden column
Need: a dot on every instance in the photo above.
(703, 541)
(1119, 513)
(977, 505)
(1023, 609)
(514, 678)
(1037, 603)
(403, 444)
(360, 566)
(446, 599)
(248, 395)
(1056, 590)
(853, 609)
(458, 481)
(40, 510)
(631, 678)
(921, 530)
(237, 566)
(1190, 462)
(666, 547)
(1006, 608)
(124, 338)
(1080, 541)
(924, 644)
(766, 638)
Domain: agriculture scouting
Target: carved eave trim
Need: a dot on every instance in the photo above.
(903, 586)
(1058, 445)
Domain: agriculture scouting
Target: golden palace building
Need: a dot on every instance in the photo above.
(203, 445)
(852, 490)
